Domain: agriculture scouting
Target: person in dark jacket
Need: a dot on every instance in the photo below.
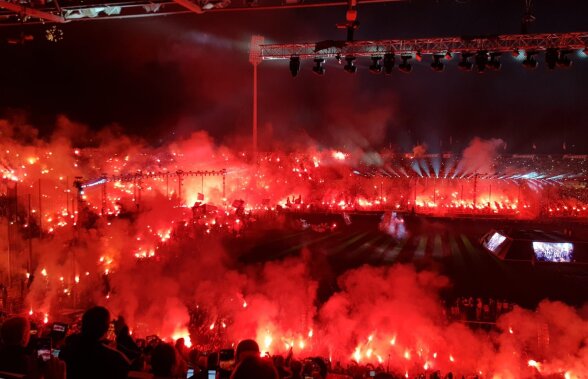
(16, 332)
(14, 357)
(87, 356)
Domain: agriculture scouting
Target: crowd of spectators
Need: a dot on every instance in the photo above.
(89, 354)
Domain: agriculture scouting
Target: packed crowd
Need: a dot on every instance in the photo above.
(90, 354)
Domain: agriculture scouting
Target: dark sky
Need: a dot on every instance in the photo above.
(159, 76)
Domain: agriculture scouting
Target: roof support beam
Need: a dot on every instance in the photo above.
(502, 43)
(27, 11)
(190, 6)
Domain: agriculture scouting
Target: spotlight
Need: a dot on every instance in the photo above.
(448, 55)
(376, 67)
(530, 62)
(481, 61)
(338, 58)
(562, 60)
(465, 64)
(418, 56)
(551, 58)
(350, 67)
(405, 66)
(437, 66)
(294, 66)
(494, 63)
(388, 63)
(318, 68)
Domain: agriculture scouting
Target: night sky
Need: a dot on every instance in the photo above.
(163, 77)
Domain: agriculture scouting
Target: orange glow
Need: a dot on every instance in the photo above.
(182, 333)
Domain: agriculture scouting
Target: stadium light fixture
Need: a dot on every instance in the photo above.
(319, 67)
(465, 64)
(350, 66)
(405, 67)
(530, 62)
(294, 66)
(388, 63)
(437, 65)
(376, 66)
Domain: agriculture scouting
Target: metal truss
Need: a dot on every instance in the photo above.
(497, 44)
(149, 175)
(17, 13)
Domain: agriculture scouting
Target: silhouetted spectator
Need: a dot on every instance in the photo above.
(126, 345)
(15, 334)
(296, 368)
(246, 348)
(164, 361)
(279, 363)
(15, 359)
(87, 356)
(254, 367)
(211, 364)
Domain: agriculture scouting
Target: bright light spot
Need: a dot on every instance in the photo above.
(533, 363)
(182, 333)
(357, 354)
(407, 355)
(267, 341)
(44, 272)
(339, 155)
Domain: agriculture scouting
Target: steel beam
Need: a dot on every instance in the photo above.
(498, 44)
(32, 12)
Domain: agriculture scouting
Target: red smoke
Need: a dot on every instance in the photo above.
(159, 277)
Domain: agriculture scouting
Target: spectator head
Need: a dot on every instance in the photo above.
(193, 357)
(246, 348)
(16, 331)
(255, 367)
(296, 367)
(212, 361)
(95, 323)
(163, 360)
(279, 361)
(180, 343)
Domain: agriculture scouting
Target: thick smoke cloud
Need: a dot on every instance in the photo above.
(391, 315)
(480, 154)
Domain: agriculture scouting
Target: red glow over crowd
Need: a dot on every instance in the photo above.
(136, 229)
